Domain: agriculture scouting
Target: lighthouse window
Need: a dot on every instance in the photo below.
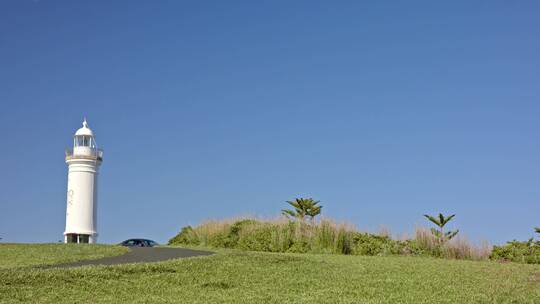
(84, 141)
(79, 142)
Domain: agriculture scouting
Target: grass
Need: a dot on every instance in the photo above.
(23, 255)
(320, 236)
(233, 276)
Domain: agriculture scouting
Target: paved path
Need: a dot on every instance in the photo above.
(140, 255)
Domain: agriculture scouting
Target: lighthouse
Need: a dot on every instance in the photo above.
(83, 166)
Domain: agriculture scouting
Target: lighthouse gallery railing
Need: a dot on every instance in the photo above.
(96, 154)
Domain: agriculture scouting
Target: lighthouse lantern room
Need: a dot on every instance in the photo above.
(83, 165)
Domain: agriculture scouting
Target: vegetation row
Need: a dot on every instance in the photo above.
(300, 232)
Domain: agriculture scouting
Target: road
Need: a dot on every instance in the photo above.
(139, 255)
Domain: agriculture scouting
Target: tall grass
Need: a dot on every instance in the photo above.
(274, 235)
(457, 248)
(321, 236)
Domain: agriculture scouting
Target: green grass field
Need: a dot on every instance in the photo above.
(252, 277)
(23, 255)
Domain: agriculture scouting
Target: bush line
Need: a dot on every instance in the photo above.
(327, 236)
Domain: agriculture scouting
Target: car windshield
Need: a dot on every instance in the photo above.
(140, 242)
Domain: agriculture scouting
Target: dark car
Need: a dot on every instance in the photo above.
(139, 243)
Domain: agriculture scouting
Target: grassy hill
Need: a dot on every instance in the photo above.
(233, 276)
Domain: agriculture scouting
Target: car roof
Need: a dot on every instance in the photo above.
(139, 240)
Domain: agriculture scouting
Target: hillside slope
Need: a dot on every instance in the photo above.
(249, 277)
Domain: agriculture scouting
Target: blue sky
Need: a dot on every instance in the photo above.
(383, 111)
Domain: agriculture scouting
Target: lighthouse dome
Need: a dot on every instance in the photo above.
(84, 141)
(85, 130)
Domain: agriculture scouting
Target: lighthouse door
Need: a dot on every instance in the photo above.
(71, 238)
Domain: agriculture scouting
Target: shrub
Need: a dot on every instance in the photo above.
(234, 231)
(411, 247)
(515, 251)
(220, 240)
(256, 237)
(300, 246)
(371, 244)
(186, 236)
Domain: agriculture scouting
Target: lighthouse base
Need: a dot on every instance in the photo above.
(80, 238)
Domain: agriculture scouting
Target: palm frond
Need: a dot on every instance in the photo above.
(433, 219)
(450, 234)
(441, 220)
(288, 213)
(294, 204)
(448, 219)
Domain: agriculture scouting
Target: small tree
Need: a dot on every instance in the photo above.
(441, 221)
(303, 207)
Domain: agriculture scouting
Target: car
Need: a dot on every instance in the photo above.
(139, 243)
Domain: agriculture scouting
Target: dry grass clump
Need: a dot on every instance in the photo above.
(461, 248)
(425, 239)
(457, 248)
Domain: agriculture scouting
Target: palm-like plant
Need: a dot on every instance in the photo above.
(314, 210)
(440, 221)
(303, 207)
(537, 229)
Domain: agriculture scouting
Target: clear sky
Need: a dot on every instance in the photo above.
(383, 112)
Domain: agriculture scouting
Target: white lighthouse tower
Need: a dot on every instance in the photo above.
(81, 211)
